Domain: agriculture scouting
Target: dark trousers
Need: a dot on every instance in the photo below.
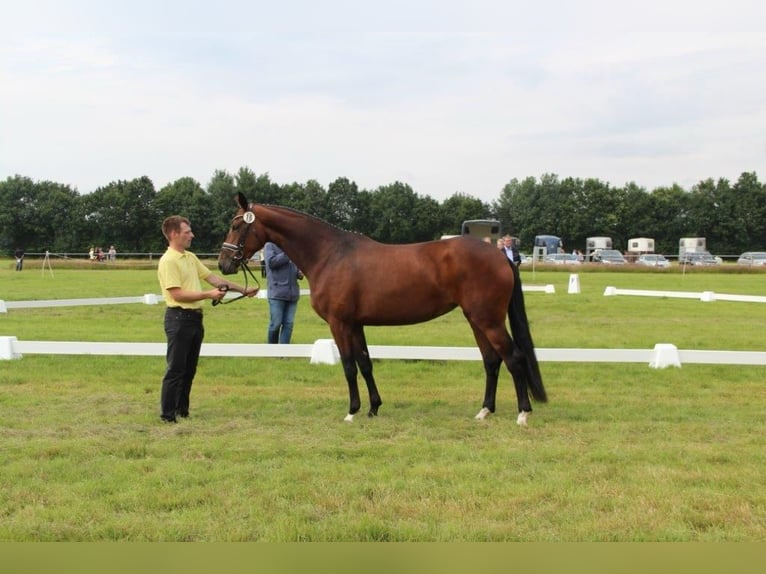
(184, 332)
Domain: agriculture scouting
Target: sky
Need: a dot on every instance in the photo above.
(445, 96)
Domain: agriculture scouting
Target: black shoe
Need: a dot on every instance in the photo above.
(183, 415)
(169, 420)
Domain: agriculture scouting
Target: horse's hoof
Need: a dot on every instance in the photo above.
(483, 414)
(521, 420)
(349, 418)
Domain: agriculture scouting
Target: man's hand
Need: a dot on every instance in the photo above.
(250, 291)
(218, 294)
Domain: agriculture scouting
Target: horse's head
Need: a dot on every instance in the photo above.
(242, 240)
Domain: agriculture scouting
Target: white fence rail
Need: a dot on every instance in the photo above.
(324, 351)
(706, 296)
(152, 299)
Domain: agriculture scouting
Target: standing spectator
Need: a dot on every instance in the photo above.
(19, 255)
(179, 273)
(282, 277)
(112, 253)
(511, 251)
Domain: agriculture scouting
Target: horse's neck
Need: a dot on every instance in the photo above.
(304, 239)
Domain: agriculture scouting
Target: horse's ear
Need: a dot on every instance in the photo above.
(242, 200)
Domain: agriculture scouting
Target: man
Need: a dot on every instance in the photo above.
(180, 272)
(511, 251)
(282, 276)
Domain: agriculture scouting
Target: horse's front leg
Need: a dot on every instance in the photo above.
(342, 334)
(365, 365)
(350, 371)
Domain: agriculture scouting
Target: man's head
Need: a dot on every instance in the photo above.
(177, 230)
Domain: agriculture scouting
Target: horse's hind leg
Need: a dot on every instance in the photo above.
(518, 372)
(492, 362)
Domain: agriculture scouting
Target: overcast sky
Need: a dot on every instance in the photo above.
(442, 95)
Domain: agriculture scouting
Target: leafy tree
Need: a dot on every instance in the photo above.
(393, 206)
(344, 204)
(222, 193)
(668, 207)
(122, 213)
(186, 197)
(18, 217)
(426, 219)
(460, 207)
(38, 216)
(636, 214)
(517, 211)
(747, 215)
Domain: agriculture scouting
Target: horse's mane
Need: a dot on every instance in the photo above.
(318, 220)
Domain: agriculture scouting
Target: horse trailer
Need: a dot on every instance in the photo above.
(482, 228)
(593, 244)
(691, 245)
(641, 245)
(550, 243)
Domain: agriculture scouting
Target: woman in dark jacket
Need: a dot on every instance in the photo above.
(282, 277)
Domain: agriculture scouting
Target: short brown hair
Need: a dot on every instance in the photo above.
(173, 223)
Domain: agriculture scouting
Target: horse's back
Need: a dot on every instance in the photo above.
(401, 284)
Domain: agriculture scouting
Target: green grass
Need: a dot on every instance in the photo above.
(620, 453)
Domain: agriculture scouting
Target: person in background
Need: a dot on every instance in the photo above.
(112, 253)
(19, 255)
(511, 251)
(180, 273)
(282, 277)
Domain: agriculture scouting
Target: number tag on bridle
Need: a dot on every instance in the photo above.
(249, 217)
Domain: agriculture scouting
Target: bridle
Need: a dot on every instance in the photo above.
(238, 254)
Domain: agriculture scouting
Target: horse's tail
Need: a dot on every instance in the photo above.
(517, 316)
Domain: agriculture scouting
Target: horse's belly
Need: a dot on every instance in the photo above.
(404, 311)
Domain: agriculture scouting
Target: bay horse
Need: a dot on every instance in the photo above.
(356, 281)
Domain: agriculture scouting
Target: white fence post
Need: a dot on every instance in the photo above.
(6, 348)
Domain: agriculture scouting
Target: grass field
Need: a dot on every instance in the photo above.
(620, 453)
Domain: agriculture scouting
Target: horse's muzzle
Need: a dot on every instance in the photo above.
(227, 267)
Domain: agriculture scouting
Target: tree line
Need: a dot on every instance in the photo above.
(44, 216)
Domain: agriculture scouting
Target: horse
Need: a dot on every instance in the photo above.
(356, 281)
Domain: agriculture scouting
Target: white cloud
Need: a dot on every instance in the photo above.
(445, 96)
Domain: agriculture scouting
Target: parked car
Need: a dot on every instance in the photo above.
(561, 259)
(752, 258)
(703, 258)
(653, 260)
(608, 257)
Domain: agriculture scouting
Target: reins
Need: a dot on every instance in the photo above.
(245, 272)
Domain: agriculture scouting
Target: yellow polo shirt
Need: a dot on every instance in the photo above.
(183, 270)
